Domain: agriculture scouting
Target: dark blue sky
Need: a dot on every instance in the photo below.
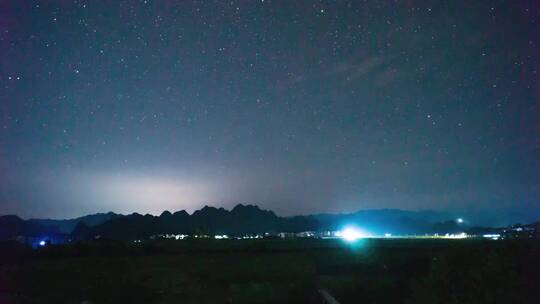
(297, 106)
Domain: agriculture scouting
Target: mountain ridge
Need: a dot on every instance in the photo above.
(241, 219)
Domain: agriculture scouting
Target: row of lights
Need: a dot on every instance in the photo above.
(351, 233)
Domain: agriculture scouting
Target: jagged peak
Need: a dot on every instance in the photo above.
(248, 208)
(181, 213)
(245, 207)
(165, 213)
(209, 209)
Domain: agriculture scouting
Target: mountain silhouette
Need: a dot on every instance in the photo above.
(66, 226)
(381, 221)
(12, 225)
(241, 220)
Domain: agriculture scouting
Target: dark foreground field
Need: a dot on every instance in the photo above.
(273, 271)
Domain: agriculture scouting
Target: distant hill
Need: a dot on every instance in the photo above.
(12, 225)
(67, 226)
(380, 221)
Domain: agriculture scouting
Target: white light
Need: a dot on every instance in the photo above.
(460, 220)
(462, 235)
(351, 234)
(42, 243)
(387, 235)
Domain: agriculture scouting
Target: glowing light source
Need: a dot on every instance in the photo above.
(462, 235)
(351, 234)
(387, 235)
(42, 243)
(459, 220)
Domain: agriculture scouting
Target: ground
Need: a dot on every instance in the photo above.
(273, 271)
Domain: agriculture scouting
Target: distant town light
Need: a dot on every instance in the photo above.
(462, 235)
(459, 220)
(42, 243)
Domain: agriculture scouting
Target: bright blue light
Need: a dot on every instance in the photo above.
(42, 243)
(351, 234)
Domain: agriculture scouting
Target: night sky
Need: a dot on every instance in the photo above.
(296, 106)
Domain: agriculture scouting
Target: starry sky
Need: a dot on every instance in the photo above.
(296, 106)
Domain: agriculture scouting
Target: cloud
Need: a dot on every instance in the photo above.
(345, 70)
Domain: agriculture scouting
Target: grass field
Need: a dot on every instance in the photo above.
(274, 271)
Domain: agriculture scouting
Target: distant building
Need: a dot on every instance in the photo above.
(286, 235)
